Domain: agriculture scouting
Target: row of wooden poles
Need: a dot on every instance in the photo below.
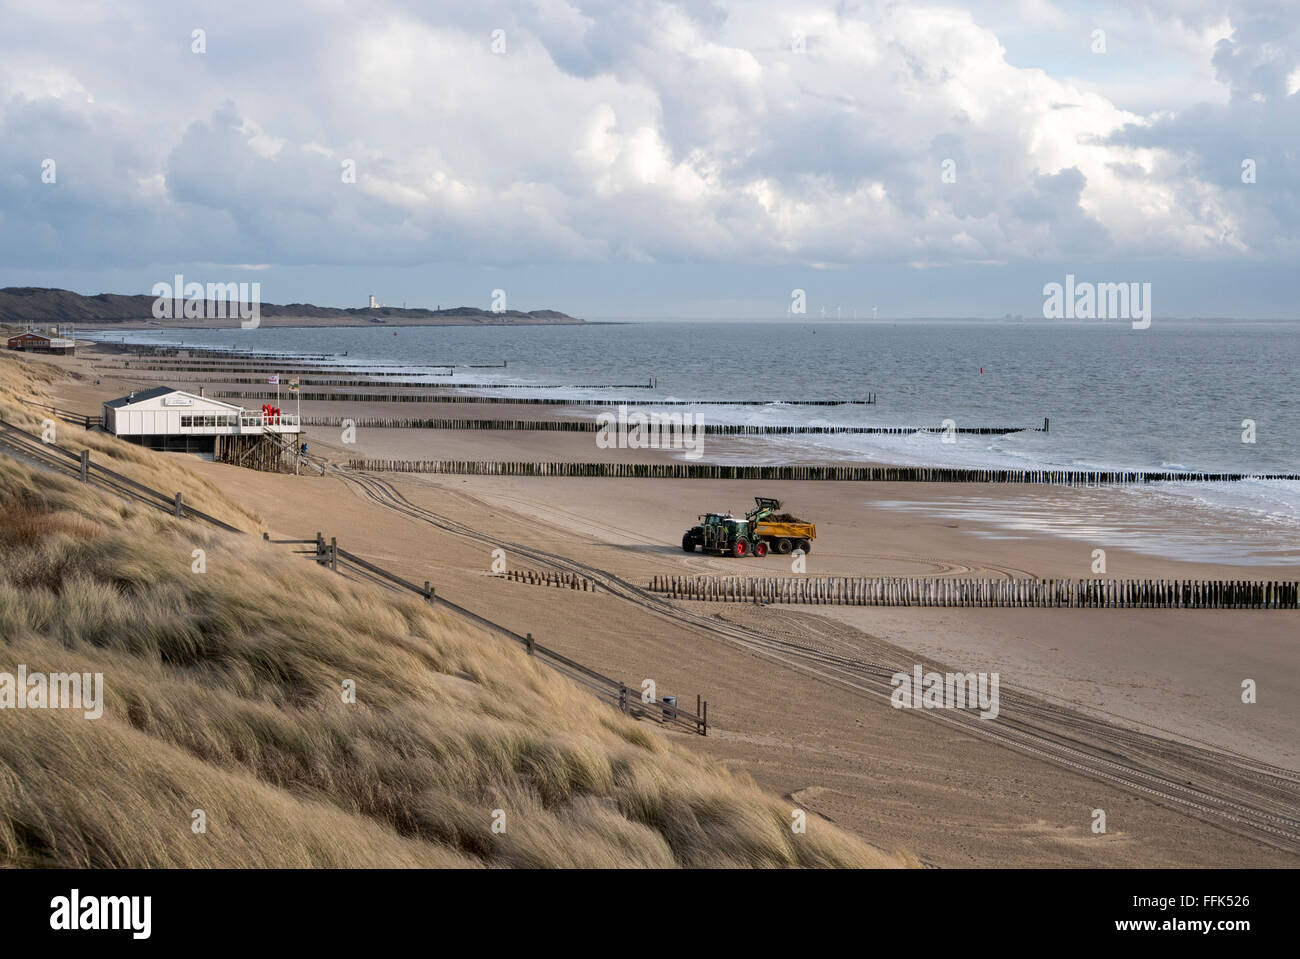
(305, 380)
(521, 400)
(536, 577)
(260, 366)
(271, 365)
(494, 386)
(593, 426)
(189, 352)
(879, 474)
(956, 591)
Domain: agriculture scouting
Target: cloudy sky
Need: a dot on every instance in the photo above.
(647, 158)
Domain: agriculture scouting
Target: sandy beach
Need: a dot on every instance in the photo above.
(1161, 682)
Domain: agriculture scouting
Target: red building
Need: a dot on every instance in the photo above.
(33, 342)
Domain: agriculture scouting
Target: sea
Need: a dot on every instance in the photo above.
(1180, 395)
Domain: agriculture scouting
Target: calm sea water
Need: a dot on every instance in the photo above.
(1171, 397)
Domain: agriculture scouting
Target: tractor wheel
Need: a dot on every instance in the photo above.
(740, 549)
(805, 546)
(688, 544)
(784, 546)
(760, 549)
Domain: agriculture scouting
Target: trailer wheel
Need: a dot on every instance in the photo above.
(760, 549)
(688, 544)
(784, 546)
(805, 546)
(740, 549)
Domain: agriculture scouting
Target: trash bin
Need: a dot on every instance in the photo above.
(669, 705)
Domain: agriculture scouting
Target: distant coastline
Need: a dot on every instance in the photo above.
(20, 306)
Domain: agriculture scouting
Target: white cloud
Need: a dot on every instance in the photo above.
(604, 132)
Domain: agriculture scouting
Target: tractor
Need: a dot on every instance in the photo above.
(761, 530)
(725, 535)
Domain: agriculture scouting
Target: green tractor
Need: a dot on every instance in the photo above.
(725, 535)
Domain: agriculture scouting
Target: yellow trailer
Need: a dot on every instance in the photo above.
(786, 537)
(781, 532)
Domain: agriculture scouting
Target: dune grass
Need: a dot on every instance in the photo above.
(24, 381)
(224, 693)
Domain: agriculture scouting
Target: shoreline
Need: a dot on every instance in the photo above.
(1226, 509)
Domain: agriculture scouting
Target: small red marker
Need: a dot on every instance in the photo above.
(981, 371)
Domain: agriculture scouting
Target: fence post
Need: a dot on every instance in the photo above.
(320, 547)
(428, 592)
(528, 641)
(622, 696)
(85, 466)
(177, 505)
(334, 553)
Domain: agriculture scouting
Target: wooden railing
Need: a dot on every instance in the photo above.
(617, 693)
(329, 554)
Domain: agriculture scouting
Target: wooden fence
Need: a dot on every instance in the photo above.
(613, 691)
(84, 420)
(51, 454)
(329, 554)
(536, 577)
(956, 591)
(877, 474)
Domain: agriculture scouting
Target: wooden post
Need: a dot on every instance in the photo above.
(85, 466)
(334, 553)
(528, 641)
(177, 505)
(428, 592)
(320, 547)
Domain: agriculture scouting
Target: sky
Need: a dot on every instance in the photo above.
(640, 158)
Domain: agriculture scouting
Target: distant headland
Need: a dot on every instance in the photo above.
(24, 305)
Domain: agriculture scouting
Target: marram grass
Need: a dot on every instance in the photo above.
(223, 694)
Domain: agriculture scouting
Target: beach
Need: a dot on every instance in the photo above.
(1163, 682)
